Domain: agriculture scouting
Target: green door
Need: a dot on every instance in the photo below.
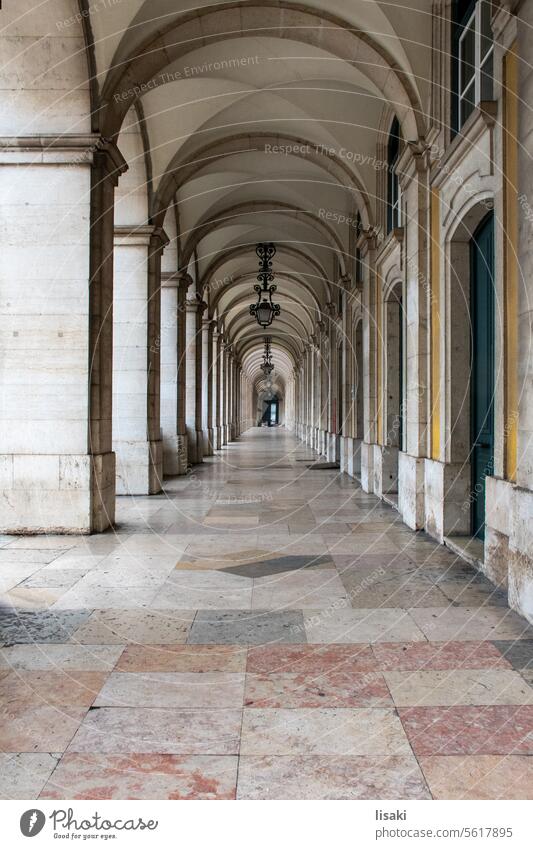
(482, 367)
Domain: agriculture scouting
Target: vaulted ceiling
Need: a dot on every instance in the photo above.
(259, 122)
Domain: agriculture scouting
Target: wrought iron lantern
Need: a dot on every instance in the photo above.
(267, 366)
(265, 310)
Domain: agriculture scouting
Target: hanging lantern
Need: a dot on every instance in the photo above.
(265, 310)
(267, 366)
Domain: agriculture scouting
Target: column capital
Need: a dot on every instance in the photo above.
(140, 236)
(68, 149)
(195, 304)
(170, 280)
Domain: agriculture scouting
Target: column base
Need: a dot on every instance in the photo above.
(174, 455)
(367, 466)
(332, 448)
(350, 456)
(385, 470)
(508, 555)
(57, 493)
(446, 499)
(411, 490)
(139, 467)
(208, 442)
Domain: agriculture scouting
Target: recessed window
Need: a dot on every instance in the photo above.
(473, 57)
(394, 197)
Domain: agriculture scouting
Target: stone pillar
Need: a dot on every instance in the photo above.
(207, 386)
(185, 281)
(369, 364)
(193, 403)
(136, 360)
(223, 391)
(56, 276)
(216, 388)
(169, 373)
(231, 395)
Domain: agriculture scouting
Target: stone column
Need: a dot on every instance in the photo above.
(193, 402)
(216, 387)
(56, 277)
(369, 364)
(169, 373)
(516, 510)
(207, 386)
(231, 392)
(136, 360)
(237, 398)
(223, 391)
(185, 280)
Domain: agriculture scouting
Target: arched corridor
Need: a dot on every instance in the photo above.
(266, 466)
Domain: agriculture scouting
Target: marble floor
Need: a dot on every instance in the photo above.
(261, 630)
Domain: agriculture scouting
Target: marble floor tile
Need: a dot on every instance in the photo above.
(330, 777)
(361, 626)
(38, 728)
(159, 730)
(54, 578)
(269, 566)
(56, 656)
(179, 658)
(241, 627)
(302, 659)
(25, 599)
(328, 731)
(469, 730)
(459, 687)
(451, 655)
(172, 690)
(142, 776)
(313, 590)
(471, 623)
(144, 626)
(479, 777)
(209, 590)
(54, 626)
(72, 560)
(330, 689)
(43, 542)
(81, 597)
(403, 593)
(12, 574)
(472, 593)
(24, 774)
(519, 653)
(51, 687)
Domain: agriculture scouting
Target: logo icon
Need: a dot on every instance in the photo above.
(32, 822)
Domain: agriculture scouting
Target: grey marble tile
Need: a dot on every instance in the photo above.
(253, 627)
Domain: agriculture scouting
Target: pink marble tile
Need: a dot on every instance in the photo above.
(310, 658)
(38, 728)
(183, 658)
(323, 777)
(469, 730)
(452, 655)
(142, 776)
(307, 690)
(51, 687)
(159, 731)
(479, 776)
